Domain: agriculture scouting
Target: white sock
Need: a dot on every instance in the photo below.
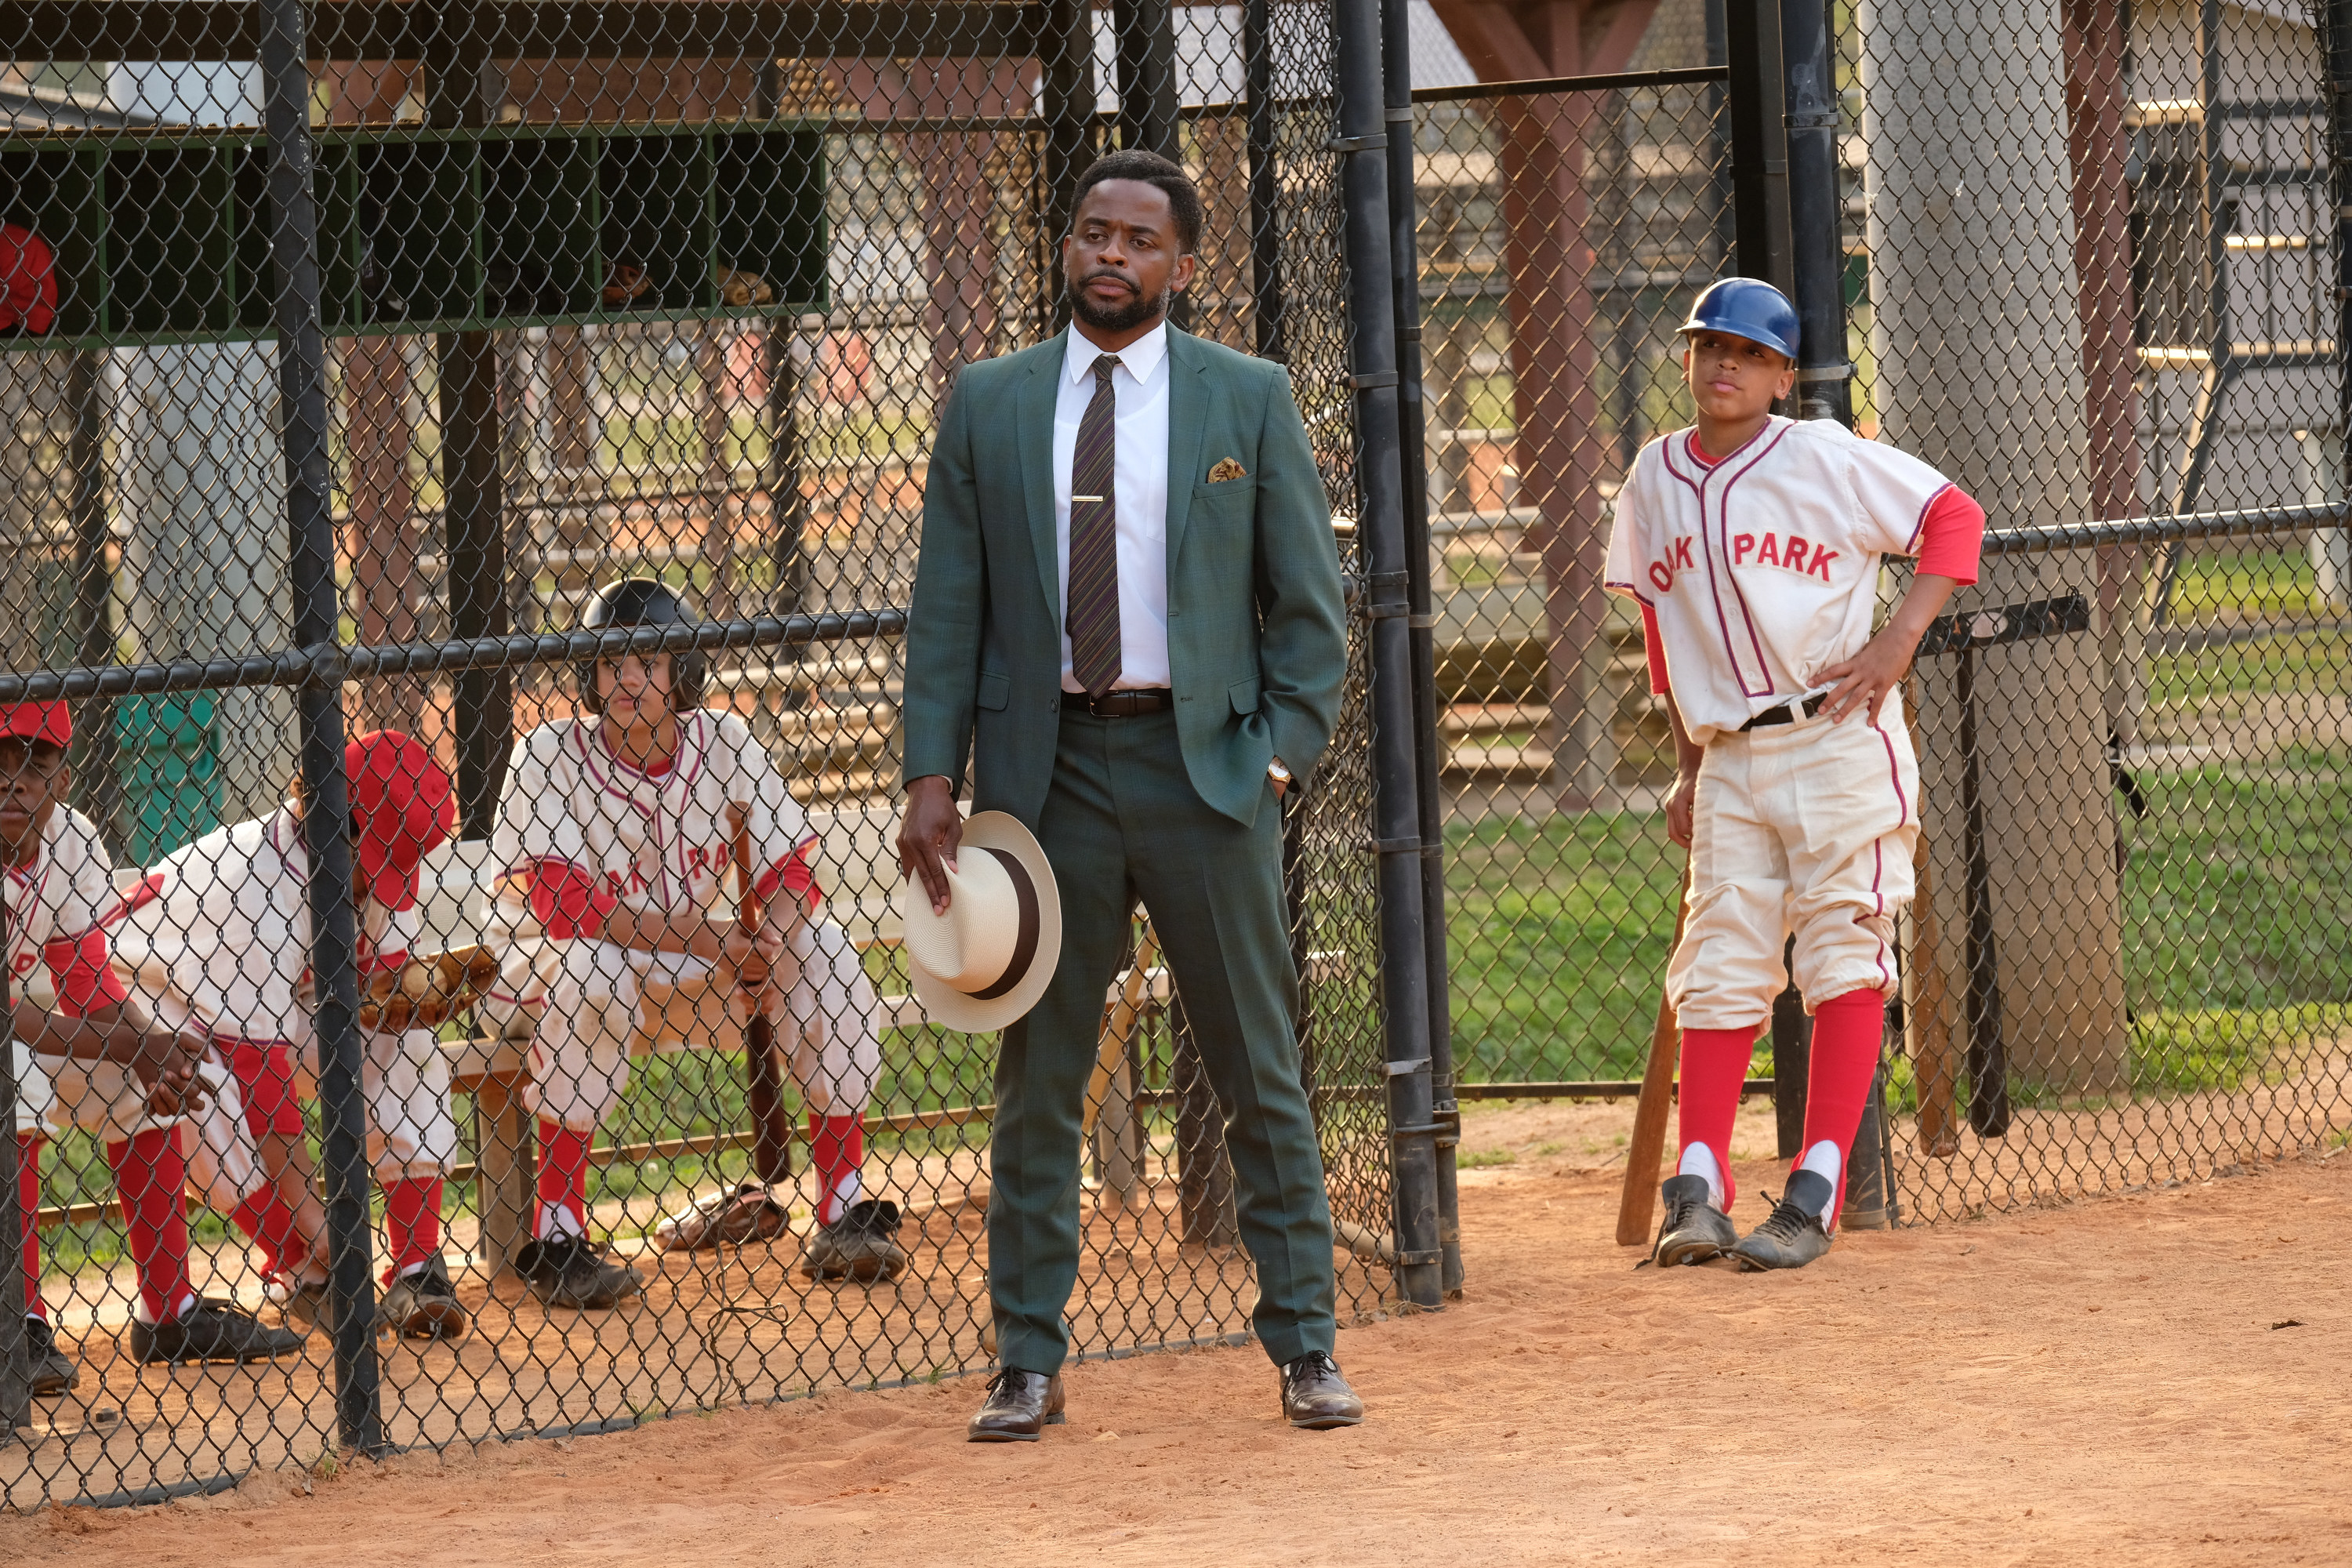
(187, 1304)
(836, 1202)
(1698, 1160)
(1822, 1157)
(556, 1222)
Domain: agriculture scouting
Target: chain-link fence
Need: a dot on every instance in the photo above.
(2088, 270)
(664, 291)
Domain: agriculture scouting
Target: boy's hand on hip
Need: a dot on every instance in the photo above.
(1863, 681)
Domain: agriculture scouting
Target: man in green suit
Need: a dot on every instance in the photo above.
(1128, 612)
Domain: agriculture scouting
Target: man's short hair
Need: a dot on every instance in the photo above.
(1135, 163)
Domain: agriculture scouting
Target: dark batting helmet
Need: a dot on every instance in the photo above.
(1746, 308)
(642, 602)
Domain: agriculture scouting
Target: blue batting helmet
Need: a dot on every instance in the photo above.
(1746, 308)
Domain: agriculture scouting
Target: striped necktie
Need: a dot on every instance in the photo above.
(1093, 611)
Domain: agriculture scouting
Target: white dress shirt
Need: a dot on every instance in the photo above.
(1139, 482)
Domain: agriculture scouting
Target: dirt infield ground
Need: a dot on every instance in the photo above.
(2157, 1378)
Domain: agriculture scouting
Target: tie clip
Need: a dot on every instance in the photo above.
(1086, 498)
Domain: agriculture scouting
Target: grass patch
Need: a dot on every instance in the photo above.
(2237, 901)
(1479, 1159)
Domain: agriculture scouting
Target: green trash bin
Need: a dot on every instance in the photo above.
(167, 753)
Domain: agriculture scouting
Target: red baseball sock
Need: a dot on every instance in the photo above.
(411, 1223)
(1715, 1064)
(1847, 1033)
(150, 1175)
(28, 1204)
(839, 1142)
(562, 1178)
(270, 1224)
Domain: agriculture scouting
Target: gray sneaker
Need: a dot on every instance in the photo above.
(862, 1245)
(301, 1304)
(211, 1331)
(1793, 1236)
(1694, 1230)
(571, 1271)
(52, 1371)
(423, 1306)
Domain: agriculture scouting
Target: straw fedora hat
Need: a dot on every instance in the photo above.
(983, 963)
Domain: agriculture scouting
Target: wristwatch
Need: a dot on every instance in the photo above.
(1278, 773)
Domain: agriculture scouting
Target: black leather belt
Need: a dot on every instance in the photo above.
(1780, 715)
(1121, 704)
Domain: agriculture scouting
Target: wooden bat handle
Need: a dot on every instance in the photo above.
(771, 1133)
(1635, 1204)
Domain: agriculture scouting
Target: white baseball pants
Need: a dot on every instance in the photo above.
(1805, 829)
(584, 998)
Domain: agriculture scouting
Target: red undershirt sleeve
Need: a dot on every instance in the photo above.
(1654, 645)
(569, 901)
(1951, 536)
(81, 971)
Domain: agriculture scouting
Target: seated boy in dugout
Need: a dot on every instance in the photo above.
(85, 1059)
(226, 943)
(1753, 544)
(616, 831)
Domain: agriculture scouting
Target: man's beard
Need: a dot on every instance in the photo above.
(1138, 311)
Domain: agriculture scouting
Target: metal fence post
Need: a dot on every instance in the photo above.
(302, 393)
(16, 1370)
(2334, 18)
(1265, 186)
(1361, 144)
(1404, 278)
(1759, 150)
(1818, 254)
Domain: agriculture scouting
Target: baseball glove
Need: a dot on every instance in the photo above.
(728, 1217)
(427, 992)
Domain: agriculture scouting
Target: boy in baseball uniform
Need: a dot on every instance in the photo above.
(83, 1059)
(1753, 544)
(617, 831)
(227, 944)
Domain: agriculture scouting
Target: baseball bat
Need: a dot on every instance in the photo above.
(1649, 1142)
(1936, 1073)
(771, 1129)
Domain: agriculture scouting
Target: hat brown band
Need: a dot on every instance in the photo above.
(1024, 942)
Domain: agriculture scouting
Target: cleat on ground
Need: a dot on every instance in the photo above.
(862, 1245)
(571, 1271)
(1792, 1236)
(1694, 1230)
(211, 1331)
(423, 1306)
(50, 1370)
(301, 1305)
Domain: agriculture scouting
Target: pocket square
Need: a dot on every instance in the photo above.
(1227, 469)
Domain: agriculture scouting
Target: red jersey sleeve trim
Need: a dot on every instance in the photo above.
(1951, 536)
(1654, 647)
(794, 875)
(80, 967)
(569, 900)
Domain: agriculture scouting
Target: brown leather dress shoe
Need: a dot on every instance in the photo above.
(1020, 1405)
(1315, 1396)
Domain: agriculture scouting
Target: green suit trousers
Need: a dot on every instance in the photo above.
(1122, 821)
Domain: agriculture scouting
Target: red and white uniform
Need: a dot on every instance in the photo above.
(579, 832)
(59, 959)
(1758, 571)
(227, 945)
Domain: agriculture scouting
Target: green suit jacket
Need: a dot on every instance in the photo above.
(1257, 646)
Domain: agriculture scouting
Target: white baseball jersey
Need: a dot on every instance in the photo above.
(656, 842)
(1763, 569)
(60, 897)
(230, 933)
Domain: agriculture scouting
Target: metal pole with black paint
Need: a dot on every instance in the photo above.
(317, 606)
(1362, 146)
